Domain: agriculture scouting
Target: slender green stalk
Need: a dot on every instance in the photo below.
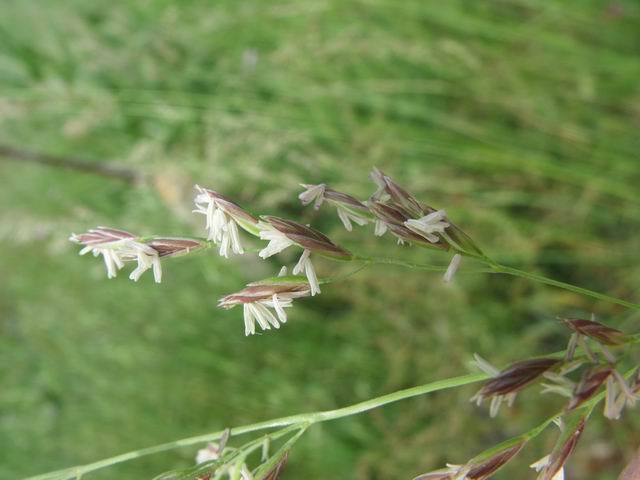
(565, 286)
(494, 267)
(395, 261)
(266, 467)
(309, 418)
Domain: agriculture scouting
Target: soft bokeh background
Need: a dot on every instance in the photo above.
(520, 117)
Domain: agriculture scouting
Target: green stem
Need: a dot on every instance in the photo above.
(271, 463)
(494, 267)
(394, 261)
(565, 286)
(310, 418)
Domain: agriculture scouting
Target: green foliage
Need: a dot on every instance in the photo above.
(518, 117)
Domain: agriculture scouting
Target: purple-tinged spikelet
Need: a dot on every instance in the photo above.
(349, 208)
(507, 383)
(258, 298)
(597, 331)
(591, 381)
(223, 216)
(556, 461)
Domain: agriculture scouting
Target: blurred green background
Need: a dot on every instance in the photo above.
(520, 117)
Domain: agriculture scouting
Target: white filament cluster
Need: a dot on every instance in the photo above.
(429, 225)
(258, 312)
(221, 227)
(316, 194)
(117, 252)
(313, 193)
(278, 241)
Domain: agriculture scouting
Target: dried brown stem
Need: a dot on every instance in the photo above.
(108, 170)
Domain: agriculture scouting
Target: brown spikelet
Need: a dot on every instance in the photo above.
(486, 469)
(229, 206)
(345, 199)
(100, 235)
(589, 385)
(599, 332)
(275, 472)
(254, 292)
(168, 246)
(399, 196)
(306, 237)
(562, 452)
(517, 376)
(394, 217)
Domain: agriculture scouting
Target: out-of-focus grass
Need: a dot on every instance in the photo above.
(520, 117)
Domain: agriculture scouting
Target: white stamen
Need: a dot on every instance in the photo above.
(610, 408)
(313, 279)
(305, 264)
(147, 258)
(540, 464)
(259, 312)
(311, 194)
(278, 241)
(485, 366)
(282, 315)
(429, 225)
(347, 216)
(224, 246)
(624, 388)
(301, 263)
(495, 406)
(120, 250)
(379, 179)
(218, 224)
(452, 268)
(232, 228)
(344, 217)
(380, 228)
(210, 452)
(109, 262)
(543, 463)
(221, 227)
(157, 269)
(258, 315)
(266, 314)
(249, 320)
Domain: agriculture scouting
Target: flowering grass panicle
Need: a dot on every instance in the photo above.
(412, 222)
